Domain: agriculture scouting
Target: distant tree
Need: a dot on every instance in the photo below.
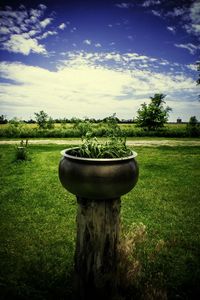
(84, 127)
(153, 116)
(3, 119)
(193, 121)
(193, 127)
(50, 123)
(42, 119)
(75, 120)
(16, 122)
(111, 119)
(31, 121)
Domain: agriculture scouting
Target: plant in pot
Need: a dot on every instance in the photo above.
(98, 174)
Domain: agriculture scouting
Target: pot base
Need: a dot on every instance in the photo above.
(96, 248)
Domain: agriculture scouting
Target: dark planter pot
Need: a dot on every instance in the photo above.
(98, 178)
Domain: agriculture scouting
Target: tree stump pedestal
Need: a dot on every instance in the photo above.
(98, 223)
(98, 185)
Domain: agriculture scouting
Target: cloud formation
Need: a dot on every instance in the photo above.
(87, 42)
(94, 84)
(171, 29)
(148, 3)
(22, 29)
(124, 5)
(62, 26)
(190, 47)
(20, 44)
(194, 25)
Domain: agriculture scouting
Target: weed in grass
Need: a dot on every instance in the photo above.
(21, 151)
(132, 280)
(129, 267)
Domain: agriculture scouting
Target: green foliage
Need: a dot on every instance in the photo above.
(83, 127)
(193, 127)
(153, 116)
(44, 122)
(50, 123)
(21, 151)
(15, 122)
(92, 148)
(114, 147)
(3, 119)
(99, 130)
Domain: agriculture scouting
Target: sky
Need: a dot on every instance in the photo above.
(91, 59)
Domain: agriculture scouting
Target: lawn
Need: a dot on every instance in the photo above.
(37, 230)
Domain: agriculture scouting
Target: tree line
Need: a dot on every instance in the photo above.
(150, 116)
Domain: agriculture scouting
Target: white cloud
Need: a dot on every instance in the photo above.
(130, 37)
(20, 26)
(171, 28)
(32, 32)
(62, 26)
(177, 11)
(156, 13)
(189, 17)
(42, 6)
(190, 47)
(195, 12)
(148, 3)
(36, 13)
(46, 34)
(73, 29)
(193, 27)
(196, 29)
(18, 16)
(92, 89)
(98, 45)
(20, 44)
(87, 42)
(45, 22)
(4, 30)
(192, 67)
(124, 5)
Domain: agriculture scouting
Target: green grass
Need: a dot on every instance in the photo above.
(99, 130)
(37, 232)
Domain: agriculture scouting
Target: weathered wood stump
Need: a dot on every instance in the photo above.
(96, 258)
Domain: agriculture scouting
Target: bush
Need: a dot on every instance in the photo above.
(193, 127)
(22, 151)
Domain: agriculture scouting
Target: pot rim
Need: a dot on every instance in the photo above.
(66, 155)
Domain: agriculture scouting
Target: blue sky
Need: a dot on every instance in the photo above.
(94, 58)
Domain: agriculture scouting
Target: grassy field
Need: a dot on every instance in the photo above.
(22, 130)
(160, 216)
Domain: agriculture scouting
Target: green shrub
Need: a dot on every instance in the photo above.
(101, 129)
(193, 127)
(22, 151)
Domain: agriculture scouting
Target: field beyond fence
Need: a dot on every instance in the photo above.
(23, 130)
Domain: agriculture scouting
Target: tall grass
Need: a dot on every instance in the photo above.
(98, 130)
